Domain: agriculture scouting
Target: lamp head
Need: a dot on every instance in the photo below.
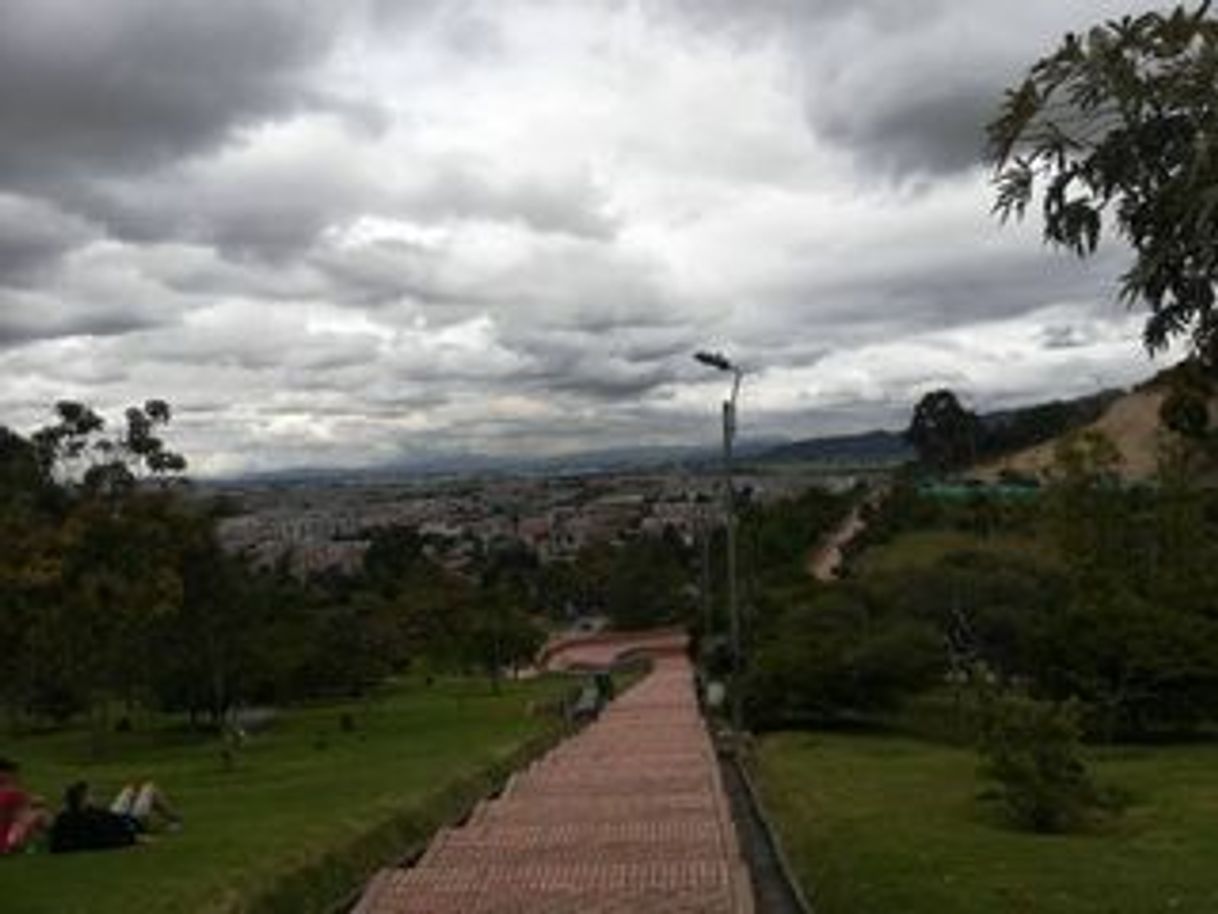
(714, 360)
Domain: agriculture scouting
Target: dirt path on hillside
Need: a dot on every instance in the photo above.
(825, 560)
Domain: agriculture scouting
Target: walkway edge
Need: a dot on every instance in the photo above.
(757, 809)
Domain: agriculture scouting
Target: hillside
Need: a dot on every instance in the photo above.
(1130, 421)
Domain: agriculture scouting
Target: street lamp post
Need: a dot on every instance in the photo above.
(720, 362)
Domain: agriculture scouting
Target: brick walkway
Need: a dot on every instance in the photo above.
(627, 816)
(572, 652)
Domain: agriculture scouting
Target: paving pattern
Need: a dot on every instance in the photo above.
(604, 649)
(627, 816)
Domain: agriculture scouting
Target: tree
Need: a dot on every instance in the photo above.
(1088, 513)
(646, 583)
(91, 558)
(1120, 126)
(943, 432)
(1136, 639)
(501, 635)
(392, 552)
(77, 450)
(1185, 409)
(1033, 752)
(838, 656)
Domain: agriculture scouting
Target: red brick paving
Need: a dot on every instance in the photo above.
(627, 817)
(605, 648)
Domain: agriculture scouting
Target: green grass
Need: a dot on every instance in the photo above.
(924, 548)
(880, 824)
(305, 809)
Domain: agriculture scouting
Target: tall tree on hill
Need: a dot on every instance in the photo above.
(1120, 125)
(943, 432)
(1186, 408)
(89, 555)
(96, 464)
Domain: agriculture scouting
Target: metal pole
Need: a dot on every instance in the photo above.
(733, 601)
(720, 362)
(704, 531)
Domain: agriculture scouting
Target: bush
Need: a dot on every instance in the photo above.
(1032, 751)
(838, 658)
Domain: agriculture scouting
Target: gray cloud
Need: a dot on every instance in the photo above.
(122, 86)
(335, 234)
(26, 317)
(34, 236)
(906, 86)
(547, 204)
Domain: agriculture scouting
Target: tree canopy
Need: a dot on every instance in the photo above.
(942, 431)
(1119, 128)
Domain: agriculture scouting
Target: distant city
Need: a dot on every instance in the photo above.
(327, 524)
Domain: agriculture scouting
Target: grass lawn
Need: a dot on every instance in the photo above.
(299, 790)
(923, 548)
(886, 825)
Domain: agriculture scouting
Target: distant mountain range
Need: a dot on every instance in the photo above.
(1022, 426)
(610, 460)
(868, 447)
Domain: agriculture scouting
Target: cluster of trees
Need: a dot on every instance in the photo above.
(1115, 629)
(95, 555)
(1117, 609)
(640, 583)
(114, 588)
(947, 435)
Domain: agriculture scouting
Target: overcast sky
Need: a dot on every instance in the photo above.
(344, 233)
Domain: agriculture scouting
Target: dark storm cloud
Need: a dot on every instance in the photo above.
(627, 364)
(906, 86)
(89, 88)
(27, 317)
(507, 224)
(270, 216)
(594, 375)
(938, 129)
(897, 297)
(33, 237)
(916, 84)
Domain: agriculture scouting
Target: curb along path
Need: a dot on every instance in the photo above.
(629, 815)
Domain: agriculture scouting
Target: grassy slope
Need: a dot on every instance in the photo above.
(876, 825)
(924, 548)
(288, 800)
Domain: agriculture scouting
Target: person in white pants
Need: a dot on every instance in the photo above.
(141, 802)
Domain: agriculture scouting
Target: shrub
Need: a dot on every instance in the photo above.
(837, 658)
(1032, 751)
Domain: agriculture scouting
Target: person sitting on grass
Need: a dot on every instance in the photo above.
(23, 817)
(83, 826)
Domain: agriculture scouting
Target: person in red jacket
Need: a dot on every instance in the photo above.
(23, 817)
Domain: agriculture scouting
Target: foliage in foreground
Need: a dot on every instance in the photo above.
(837, 654)
(1117, 124)
(115, 592)
(1088, 591)
(1032, 752)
